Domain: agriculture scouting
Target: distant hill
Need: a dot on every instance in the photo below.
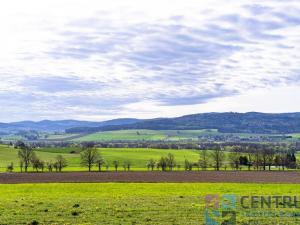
(230, 122)
(60, 125)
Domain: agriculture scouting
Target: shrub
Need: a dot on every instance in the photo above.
(76, 205)
(10, 167)
(34, 222)
(75, 213)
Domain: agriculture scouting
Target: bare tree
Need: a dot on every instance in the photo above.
(203, 159)
(126, 165)
(26, 154)
(234, 157)
(282, 158)
(89, 156)
(158, 165)
(188, 165)
(218, 157)
(264, 156)
(10, 167)
(257, 157)
(270, 157)
(151, 164)
(100, 162)
(21, 165)
(163, 163)
(55, 166)
(171, 163)
(250, 157)
(106, 165)
(116, 165)
(42, 165)
(37, 164)
(50, 166)
(60, 163)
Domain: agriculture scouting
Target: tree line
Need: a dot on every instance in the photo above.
(89, 157)
(182, 144)
(254, 157)
(258, 157)
(27, 157)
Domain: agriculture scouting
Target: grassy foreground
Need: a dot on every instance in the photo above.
(120, 203)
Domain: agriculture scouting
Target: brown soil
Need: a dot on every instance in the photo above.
(194, 176)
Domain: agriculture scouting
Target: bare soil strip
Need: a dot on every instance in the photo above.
(153, 177)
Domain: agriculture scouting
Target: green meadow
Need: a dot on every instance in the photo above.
(133, 135)
(159, 135)
(137, 135)
(10, 155)
(138, 157)
(151, 135)
(124, 203)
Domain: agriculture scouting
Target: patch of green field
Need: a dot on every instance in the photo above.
(147, 135)
(138, 157)
(60, 150)
(10, 155)
(169, 135)
(295, 136)
(154, 135)
(178, 135)
(124, 203)
(130, 135)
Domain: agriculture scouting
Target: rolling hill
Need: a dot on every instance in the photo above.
(59, 125)
(230, 122)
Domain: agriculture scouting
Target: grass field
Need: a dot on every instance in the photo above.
(131, 135)
(157, 135)
(147, 135)
(123, 203)
(167, 135)
(296, 136)
(139, 135)
(9, 154)
(137, 156)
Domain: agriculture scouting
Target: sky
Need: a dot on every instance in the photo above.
(103, 59)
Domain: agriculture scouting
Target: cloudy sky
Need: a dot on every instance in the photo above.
(97, 60)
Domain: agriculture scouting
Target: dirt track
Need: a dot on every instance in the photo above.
(195, 176)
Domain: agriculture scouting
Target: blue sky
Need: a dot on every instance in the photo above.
(97, 60)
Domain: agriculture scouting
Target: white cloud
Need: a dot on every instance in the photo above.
(106, 59)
